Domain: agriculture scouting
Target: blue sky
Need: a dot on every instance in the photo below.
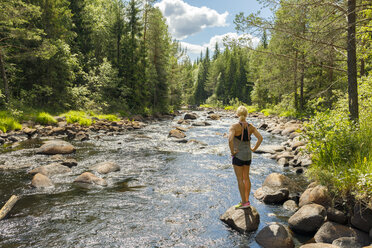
(199, 24)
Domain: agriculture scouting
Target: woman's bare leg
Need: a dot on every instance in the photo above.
(246, 181)
(239, 176)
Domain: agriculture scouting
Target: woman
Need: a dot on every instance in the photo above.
(241, 152)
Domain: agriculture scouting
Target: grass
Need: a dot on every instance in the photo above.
(45, 118)
(108, 117)
(80, 117)
(8, 122)
(267, 111)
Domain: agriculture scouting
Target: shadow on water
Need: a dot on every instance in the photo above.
(166, 194)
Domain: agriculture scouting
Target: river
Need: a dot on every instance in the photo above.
(166, 194)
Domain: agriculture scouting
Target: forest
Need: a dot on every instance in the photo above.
(313, 62)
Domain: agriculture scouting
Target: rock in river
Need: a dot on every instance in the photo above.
(88, 177)
(277, 234)
(308, 218)
(318, 245)
(176, 134)
(41, 181)
(242, 220)
(56, 147)
(318, 194)
(51, 169)
(106, 167)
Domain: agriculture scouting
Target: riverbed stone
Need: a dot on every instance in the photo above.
(56, 147)
(242, 220)
(318, 245)
(336, 215)
(269, 149)
(41, 181)
(175, 133)
(214, 116)
(297, 144)
(190, 116)
(286, 155)
(271, 195)
(81, 136)
(278, 181)
(346, 242)
(331, 231)
(283, 162)
(51, 169)
(90, 178)
(290, 205)
(308, 218)
(318, 194)
(277, 234)
(106, 167)
(362, 217)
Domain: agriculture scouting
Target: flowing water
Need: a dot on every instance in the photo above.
(166, 194)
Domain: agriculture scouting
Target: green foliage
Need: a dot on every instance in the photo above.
(78, 117)
(45, 118)
(8, 122)
(268, 112)
(108, 117)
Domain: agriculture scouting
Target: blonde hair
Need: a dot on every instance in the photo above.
(242, 112)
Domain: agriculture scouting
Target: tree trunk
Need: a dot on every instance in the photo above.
(362, 68)
(302, 102)
(351, 61)
(3, 75)
(295, 83)
(8, 206)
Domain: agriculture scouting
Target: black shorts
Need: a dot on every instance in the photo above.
(238, 162)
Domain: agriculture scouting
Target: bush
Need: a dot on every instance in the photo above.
(108, 117)
(8, 122)
(45, 118)
(268, 112)
(78, 117)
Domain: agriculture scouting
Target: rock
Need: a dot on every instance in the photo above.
(362, 218)
(294, 135)
(201, 124)
(269, 149)
(271, 196)
(184, 122)
(299, 170)
(336, 216)
(242, 220)
(263, 126)
(290, 129)
(297, 144)
(176, 134)
(106, 167)
(81, 136)
(346, 242)
(51, 169)
(285, 155)
(283, 162)
(318, 194)
(69, 162)
(277, 131)
(214, 117)
(295, 196)
(318, 245)
(277, 234)
(29, 131)
(182, 129)
(197, 142)
(57, 131)
(190, 116)
(182, 141)
(290, 205)
(56, 147)
(88, 177)
(308, 218)
(41, 181)
(306, 162)
(278, 181)
(331, 231)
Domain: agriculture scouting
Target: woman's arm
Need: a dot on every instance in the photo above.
(231, 142)
(259, 138)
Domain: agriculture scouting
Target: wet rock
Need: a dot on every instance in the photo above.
(336, 215)
(213, 117)
(106, 167)
(182, 141)
(242, 220)
(290, 205)
(346, 242)
(331, 231)
(29, 131)
(283, 162)
(56, 131)
(263, 126)
(176, 134)
(190, 116)
(308, 218)
(362, 218)
(183, 122)
(295, 196)
(299, 170)
(271, 196)
(269, 149)
(197, 142)
(297, 144)
(286, 155)
(201, 124)
(51, 169)
(69, 162)
(318, 245)
(278, 181)
(81, 136)
(90, 178)
(56, 147)
(277, 234)
(182, 129)
(41, 181)
(318, 194)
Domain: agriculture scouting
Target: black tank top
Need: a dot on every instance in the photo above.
(245, 134)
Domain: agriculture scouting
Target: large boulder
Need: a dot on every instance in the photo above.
(336, 215)
(51, 169)
(242, 220)
(269, 149)
(346, 242)
(277, 234)
(41, 181)
(318, 245)
(308, 218)
(290, 129)
(106, 167)
(90, 178)
(190, 116)
(362, 218)
(56, 147)
(318, 194)
(331, 231)
(214, 117)
(290, 205)
(278, 181)
(175, 133)
(271, 195)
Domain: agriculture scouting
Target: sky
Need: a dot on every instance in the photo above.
(199, 24)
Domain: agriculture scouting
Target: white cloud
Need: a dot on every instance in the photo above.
(243, 39)
(184, 20)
